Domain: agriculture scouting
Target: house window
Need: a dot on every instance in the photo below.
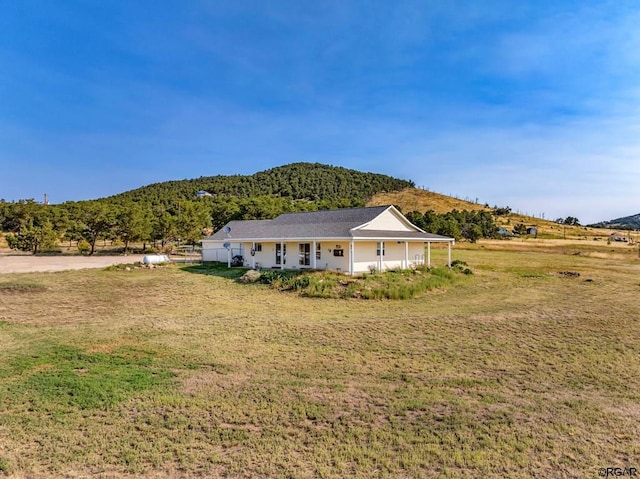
(258, 247)
(318, 251)
(378, 249)
(281, 254)
(304, 254)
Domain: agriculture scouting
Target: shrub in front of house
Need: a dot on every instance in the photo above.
(393, 284)
(322, 286)
(276, 278)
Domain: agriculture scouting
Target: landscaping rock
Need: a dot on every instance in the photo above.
(250, 276)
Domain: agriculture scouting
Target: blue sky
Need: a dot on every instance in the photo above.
(530, 104)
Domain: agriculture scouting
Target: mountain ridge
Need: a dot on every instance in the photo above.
(625, 222)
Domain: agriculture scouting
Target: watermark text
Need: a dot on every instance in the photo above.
(618, 472)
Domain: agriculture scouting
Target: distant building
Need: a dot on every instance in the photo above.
(618, 237)
(505, 233)
(202, 194)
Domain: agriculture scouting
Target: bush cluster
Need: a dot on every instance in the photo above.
(396, 284)
(284, 280)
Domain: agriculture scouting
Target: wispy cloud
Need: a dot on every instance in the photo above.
(530, 104)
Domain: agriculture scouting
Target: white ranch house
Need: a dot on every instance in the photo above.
(352, 240)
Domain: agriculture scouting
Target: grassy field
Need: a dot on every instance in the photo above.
(517, 370)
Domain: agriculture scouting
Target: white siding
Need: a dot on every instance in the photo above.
(394, 255)
(267, 257)
(365, 256)
(388, 221)
(331, 262)
(417, 253)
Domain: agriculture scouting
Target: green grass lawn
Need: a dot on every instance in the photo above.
(513, 371)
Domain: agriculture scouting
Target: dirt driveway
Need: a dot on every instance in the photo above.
(18, 263)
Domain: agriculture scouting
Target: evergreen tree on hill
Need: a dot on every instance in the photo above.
(172, 210)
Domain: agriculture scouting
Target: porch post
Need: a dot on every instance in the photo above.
(381, 255)
(281, 254)
(406, 255)
(428, 255)
(352, 254)
(314, 253)
(253, 256)
(449, 254)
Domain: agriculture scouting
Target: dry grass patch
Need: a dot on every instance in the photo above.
(414, 199)
(514, 371)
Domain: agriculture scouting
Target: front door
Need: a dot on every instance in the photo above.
(281, 254)
(304, 254)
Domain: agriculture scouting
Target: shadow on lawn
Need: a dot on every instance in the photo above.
(215, 269)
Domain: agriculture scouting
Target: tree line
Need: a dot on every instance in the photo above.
(465, 224)
(185, 210)
(35, 227)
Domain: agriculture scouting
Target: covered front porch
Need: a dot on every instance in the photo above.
(353, 256)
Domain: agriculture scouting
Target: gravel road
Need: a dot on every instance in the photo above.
(18, 263)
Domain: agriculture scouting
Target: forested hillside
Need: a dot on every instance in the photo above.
(185, 210)
(298, 181)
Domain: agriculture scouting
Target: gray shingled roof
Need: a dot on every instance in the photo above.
(316, 224)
